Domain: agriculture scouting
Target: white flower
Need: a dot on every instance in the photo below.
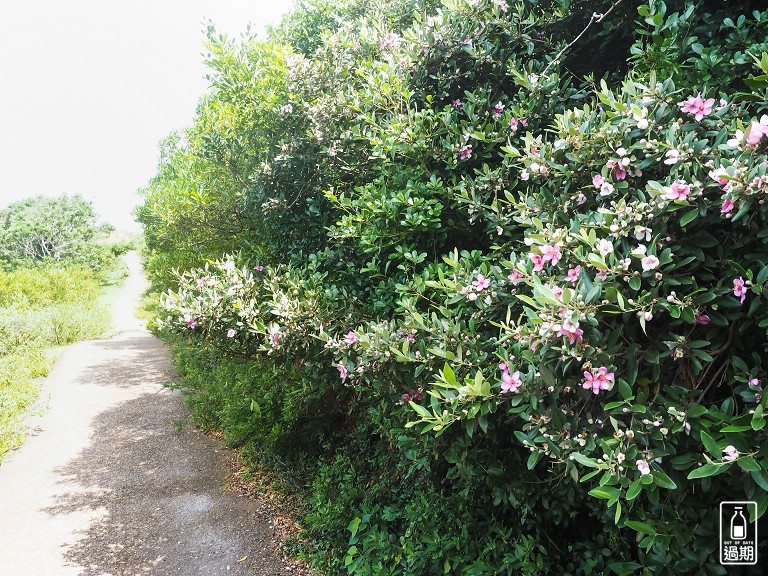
(642, 232)
(639, 251)
(730, 453)
(621, 151)
(642, 123)
(606, 189)
(561, 143)
(672, 156)
(524, 175)
(231, 333)
(620, 457)
(472, 296)
(643, 467)
(604, 246)
(650, 263)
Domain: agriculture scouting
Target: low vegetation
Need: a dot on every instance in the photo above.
(48, 298)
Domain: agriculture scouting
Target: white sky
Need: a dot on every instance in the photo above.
(88, 88)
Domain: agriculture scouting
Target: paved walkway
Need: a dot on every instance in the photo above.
(104, 485)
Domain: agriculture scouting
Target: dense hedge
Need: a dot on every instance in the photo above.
(493, 274)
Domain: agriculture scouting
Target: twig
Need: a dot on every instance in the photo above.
(592, 19)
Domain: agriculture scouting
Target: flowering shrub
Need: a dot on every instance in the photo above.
(512, 280)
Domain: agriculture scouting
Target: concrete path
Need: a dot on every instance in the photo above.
(104, 485)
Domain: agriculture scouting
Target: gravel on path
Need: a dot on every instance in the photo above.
(106, 485)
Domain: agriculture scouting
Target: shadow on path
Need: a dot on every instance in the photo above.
(156, 493)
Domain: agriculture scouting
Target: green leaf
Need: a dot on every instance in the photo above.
(423, 412)
(625, 390)
(634, 490)
(689, 216)
(758, 422)
(604, 493)
(710, 445)
(749, 464)
(640, 527)
(761, 479)
(704, 471)
(533, 459)
(586, 460)
(662, 480)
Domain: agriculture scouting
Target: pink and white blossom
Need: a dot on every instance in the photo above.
(650, 262)
(351, 337)
(599, 380)
(604, 246)
(481, 283)
(697, 106)
(573, 275)
(678, 190)
(510, 382)
(643, 467)
(739, 289)
(730, 453)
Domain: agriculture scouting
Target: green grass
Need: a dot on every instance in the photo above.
(41, 309)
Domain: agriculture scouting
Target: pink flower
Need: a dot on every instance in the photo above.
(606, 189)
(513, 124)
(601, 275)
(551, 253)
(510, 382)
(678, 191)
(571, 330)
(730, 453)
(698, 106)
(642, 467)
(702, 319)
(201, 282)
(457, 104)
(501, 4)
(727, 206)
(720, 175)
(191, 323)
(504, 366)
(351, 338)
(342, 371)
(481, 283)
(465, 152)
(649, 263)
(756, 383)
(467, 41)
(497, 110)
(515, 277)
(406, 397)
(617, 167)
(410, 337)
(739, 290)
(259, 268)
(599, 380)
(597, 180)
(573, 275)
(538, 262)
(389, 41)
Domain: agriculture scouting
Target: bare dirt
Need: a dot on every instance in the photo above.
(106, 485)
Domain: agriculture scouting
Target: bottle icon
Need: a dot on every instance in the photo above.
(738, 525)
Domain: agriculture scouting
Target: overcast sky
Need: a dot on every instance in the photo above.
(88, 88)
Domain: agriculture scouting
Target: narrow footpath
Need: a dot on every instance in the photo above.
(104, 483)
